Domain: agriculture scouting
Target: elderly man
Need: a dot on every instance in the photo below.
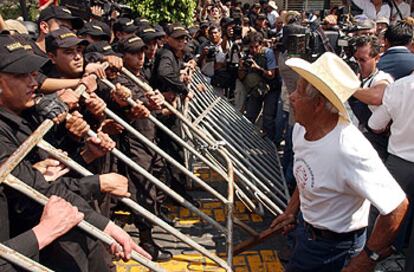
(338, 174)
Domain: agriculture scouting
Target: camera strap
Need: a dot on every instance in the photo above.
(394, 5)
(325, 41)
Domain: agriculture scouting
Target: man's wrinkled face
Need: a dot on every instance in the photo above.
(134, 60)
(18, 91)
(69, 61)
(303, 106)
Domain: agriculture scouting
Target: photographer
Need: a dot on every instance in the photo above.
(258, 73)
(213, 54)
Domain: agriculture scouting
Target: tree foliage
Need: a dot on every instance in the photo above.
(170, 11)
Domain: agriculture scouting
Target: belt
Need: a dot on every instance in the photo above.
(331, 235)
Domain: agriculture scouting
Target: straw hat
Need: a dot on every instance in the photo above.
(273, 5)
(330, 75)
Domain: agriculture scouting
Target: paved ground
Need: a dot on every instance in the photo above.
(260, 258)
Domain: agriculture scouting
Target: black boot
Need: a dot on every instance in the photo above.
(148, 244)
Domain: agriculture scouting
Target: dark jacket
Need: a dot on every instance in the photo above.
(397, 61)
(166, 76)
(25, 213)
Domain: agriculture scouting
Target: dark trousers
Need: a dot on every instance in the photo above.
(269, 101)
(403, 172)
(315, 254)
(379, 142)
(75, 251)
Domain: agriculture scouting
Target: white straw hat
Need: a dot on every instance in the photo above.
(330, 75)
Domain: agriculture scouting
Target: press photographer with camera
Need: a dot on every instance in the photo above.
(258, 72)
(214, 54)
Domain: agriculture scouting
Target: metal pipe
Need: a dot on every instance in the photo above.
(164, 154)
(20, 260)
(132, 204)
(130, 163)
(209, 141)
(25, 189)
(255, 166)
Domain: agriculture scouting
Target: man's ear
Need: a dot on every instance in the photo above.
(44, 27)
(52, 57)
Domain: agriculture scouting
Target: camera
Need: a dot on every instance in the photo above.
(211, 52)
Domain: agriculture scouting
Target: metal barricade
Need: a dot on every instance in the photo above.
(20, 260)
(255, 158)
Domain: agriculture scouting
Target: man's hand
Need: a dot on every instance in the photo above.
(51, 169)
(125, 241)
(95, 105)
(139, 111)
(58, 217)
(155, 99)
(114, 184)
(96, 68)
(70, 97)
(115, 62)
(76, 125)
(360, 263)
(286, 222)
(121, 94)
(97, 11)
(97, 147)
(169, 96)
(110, 127)
(201, 87)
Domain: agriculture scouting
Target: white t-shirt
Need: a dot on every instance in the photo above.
(374, 80)
(397, 105)
(338, 177)
(369, 9)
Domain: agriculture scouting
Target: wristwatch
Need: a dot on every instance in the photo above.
(374, 256)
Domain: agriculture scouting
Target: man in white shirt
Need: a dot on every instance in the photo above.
(374, 9)
(374, 81)
(404, 9)
(338, 174)
(397, 107)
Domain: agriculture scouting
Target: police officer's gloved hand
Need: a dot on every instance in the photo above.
(50, 107)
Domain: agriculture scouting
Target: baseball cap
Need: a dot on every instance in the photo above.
(102, 47)
(132, 44)
(62, 38)
(176, 31)
(59, 12)
(149, 34)
(95, 29)
(125, 25)
(261, 16)
(15, 58)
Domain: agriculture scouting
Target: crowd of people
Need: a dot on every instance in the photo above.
(339, 155)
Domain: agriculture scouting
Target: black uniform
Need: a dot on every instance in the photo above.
(72, 252)
(166, 78)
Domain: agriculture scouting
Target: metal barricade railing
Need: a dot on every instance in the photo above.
(61, 156)
(256, 160)
(200, 134)
(6, 169)
(20, 260)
